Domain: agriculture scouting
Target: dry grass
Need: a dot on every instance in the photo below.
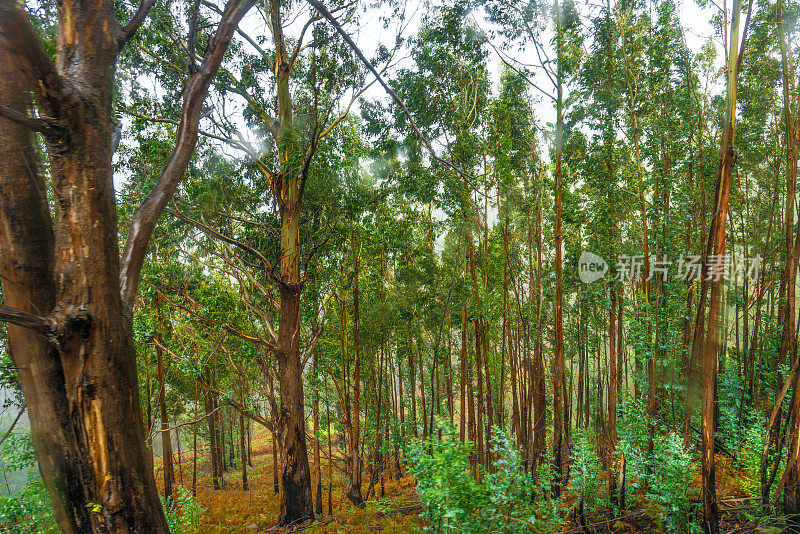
(256, 510)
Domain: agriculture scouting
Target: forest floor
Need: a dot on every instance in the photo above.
(256, 510)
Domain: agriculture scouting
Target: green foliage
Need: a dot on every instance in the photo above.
(184, 513)
(585, 473)
(735, 418)
(506, 500)
(27, 510)
(451, 496)
(455, 501)
(669, 488)
(750, 460)
(666, 474)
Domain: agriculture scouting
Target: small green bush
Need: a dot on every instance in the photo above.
(27, 510)
(586, 470)
(184, 513)
(455, 502)
(669, 485)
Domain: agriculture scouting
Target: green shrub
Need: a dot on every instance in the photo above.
(27, 510)
(669, 485)
(183, 512)
(455, 502)
(749, 458)
(585, 471)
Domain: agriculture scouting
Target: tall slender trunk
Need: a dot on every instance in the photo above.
(166, 439)
(717, 242)
(559, 442)
(377, 454)
(194, 441)
(296, 500)
(611, 428)
(462, 404)
(788, 340)
(538, 383)
(243, 440)
(353, 491)
(423, 403)
(317, 458)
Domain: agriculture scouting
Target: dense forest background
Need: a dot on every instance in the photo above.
(490, 266)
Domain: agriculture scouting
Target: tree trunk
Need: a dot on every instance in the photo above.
(353, 491)
(716, 239)
(463, 387)
(296, 500)
(558, 352)
(317, 458)
(788, 340)
(611, 428)
(166, 441)
(538, 383)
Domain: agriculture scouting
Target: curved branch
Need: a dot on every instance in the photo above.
(136, 21)
(26, 320)
(218, 235)
(357, 51)
(228, 328)
(236, 406)
(194, 94)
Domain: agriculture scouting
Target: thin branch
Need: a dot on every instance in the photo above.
(212, 322)
(37, 125)
(13, 424)
(159, 120)
(26, 320)
(357, 51)
(191, 39)
(218, 235)
(157, 431)
(194, 94)
(744, 36)
(136, 21)
(236, 406)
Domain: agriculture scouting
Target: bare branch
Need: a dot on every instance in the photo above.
(218, 235)
(26, 320)
(20, 38)
(357, 51)
(191, 38)
(37, 125)
(235, 405)
(13, 424)
(159, 120)
(212, 322)
(136, 21)
(194, 94)
(156, 431)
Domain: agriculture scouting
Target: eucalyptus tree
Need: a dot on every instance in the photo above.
(525, 24)
(601, 99)
(716, 245)
(450, 59)
(791, 495)
(512, 146)
(71, 294)
(293, 95)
